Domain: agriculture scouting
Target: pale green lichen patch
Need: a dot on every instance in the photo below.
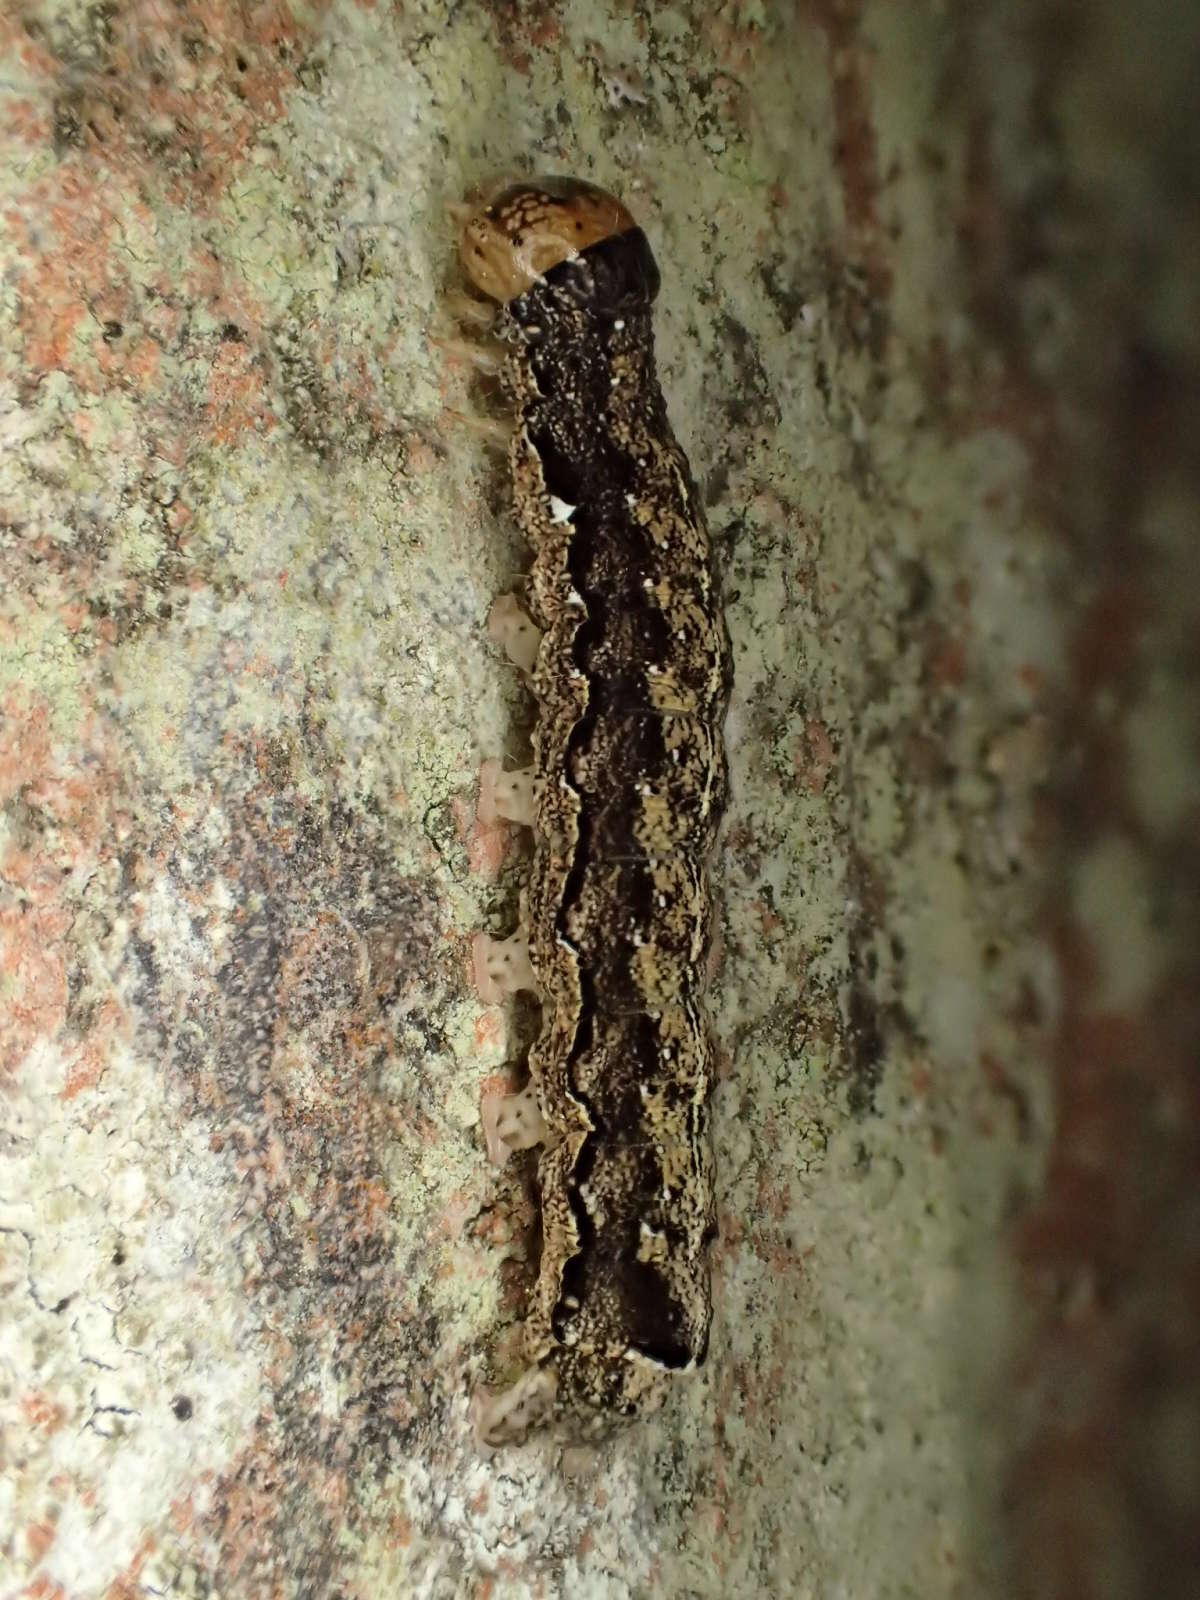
(116, 1233)
(39, 656)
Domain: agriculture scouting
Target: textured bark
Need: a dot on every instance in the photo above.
(928, 333)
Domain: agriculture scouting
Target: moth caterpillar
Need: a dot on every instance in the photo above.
(624, 644)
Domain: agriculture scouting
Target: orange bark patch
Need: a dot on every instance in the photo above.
(24, 744)
(126, 1585)
(39, 1536)
(813, 756)
(462, 1204)
(377, 1203)
(496, 1083)
(948, 663)
(47, 1416)
(33, 973)
(489, 1027)
(36, 921)
(236, 399)
(183, 1514)
(83, 1073)
(43, 1588)
(487, 846)
(856, 151)
(50, 336)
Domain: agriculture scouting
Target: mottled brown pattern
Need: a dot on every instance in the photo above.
(631, 679)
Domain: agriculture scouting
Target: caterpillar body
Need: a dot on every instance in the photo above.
(626, 650)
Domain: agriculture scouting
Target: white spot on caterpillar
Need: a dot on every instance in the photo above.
(560, 511)
(619, 324)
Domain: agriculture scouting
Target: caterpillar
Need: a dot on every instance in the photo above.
(623, 641)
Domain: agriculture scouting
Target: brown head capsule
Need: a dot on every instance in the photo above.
(531, 227)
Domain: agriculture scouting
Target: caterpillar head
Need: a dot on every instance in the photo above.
(531, 227)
